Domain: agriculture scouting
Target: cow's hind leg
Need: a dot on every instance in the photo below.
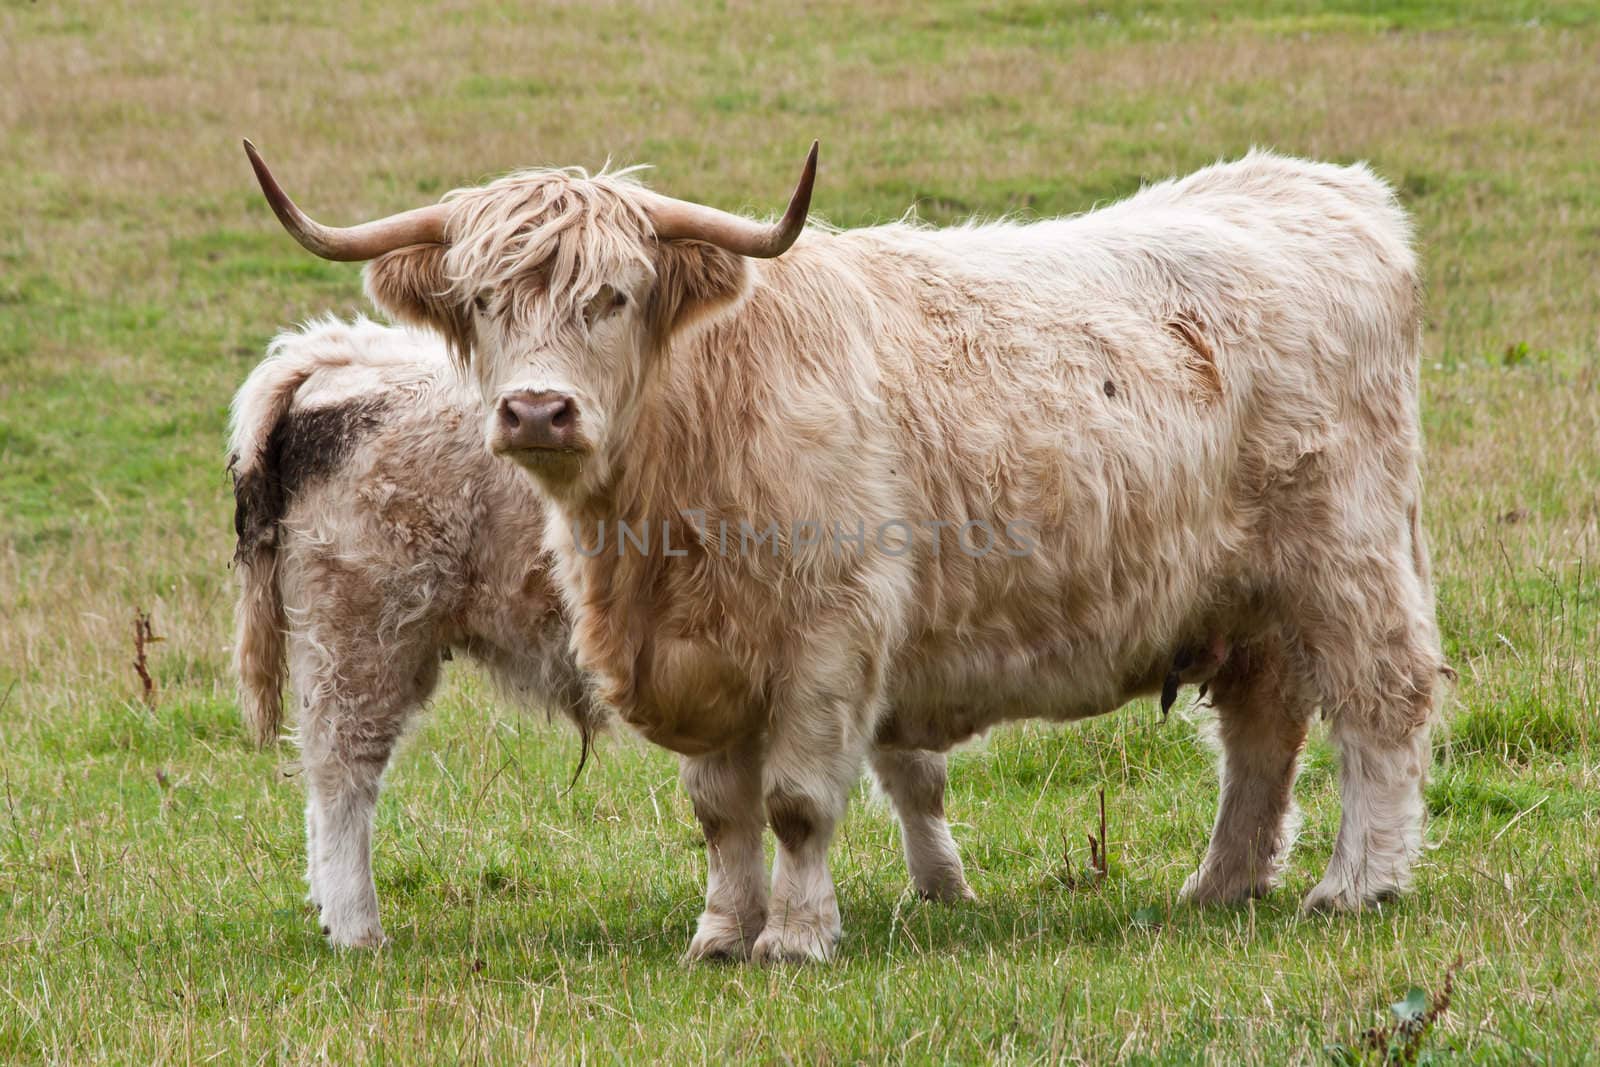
(1263, 714)
(915, 782)
(1381, 773)
(358, 696)
(726, 791)
(1373, 651)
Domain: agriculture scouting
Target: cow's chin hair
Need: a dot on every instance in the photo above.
(555, 470)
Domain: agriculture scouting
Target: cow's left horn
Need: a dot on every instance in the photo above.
(420, 226)
(682, 220)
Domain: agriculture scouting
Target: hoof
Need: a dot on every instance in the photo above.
(950, 893)
(1201, 891)
(353, 935)
(794, 943)
(372, 939)
(1332, 897)
(721, 939)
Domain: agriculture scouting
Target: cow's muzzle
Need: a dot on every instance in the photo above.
(543, 421)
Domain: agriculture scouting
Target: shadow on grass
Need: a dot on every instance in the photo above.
(883, 928)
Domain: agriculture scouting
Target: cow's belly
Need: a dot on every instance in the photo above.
(938, 702)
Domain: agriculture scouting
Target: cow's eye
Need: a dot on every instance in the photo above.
(605, 302)
(481, 302)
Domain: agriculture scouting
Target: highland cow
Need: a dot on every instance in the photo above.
(1198, 407)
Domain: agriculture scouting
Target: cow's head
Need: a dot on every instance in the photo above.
(557, 290)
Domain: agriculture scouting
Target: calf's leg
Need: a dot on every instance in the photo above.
(313, 820)
(357, 698)
(726, 791)
(915, 782)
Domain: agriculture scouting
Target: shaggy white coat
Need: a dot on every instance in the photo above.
(1202, 399)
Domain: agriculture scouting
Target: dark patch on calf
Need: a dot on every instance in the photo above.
(1111, 389)
(302, 448)
(257, 506)
(790, 818)
(1188, 330)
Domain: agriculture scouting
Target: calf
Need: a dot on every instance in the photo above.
(376, 534)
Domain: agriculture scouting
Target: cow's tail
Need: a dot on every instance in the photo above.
(260, 624)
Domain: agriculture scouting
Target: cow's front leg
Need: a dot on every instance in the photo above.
(915, 781)
(726, 791)
(1372, 648)
(813, 759)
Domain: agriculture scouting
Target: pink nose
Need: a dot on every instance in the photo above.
(528, 420)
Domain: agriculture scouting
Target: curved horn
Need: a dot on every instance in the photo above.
(682, 220)
(420, 226)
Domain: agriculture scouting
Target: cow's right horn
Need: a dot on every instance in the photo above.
(369, 240)
(680, 219)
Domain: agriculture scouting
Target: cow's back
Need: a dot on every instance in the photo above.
(1166, 391)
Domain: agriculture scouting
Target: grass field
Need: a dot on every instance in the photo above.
(150, 859)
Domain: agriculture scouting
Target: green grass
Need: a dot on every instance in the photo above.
(150, 860)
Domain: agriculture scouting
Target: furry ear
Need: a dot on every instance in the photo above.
(693, 280)
(410, 286)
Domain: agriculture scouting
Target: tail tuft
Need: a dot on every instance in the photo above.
(260, 625)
